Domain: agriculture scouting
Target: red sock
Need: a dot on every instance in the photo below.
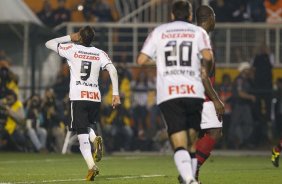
(204, 146)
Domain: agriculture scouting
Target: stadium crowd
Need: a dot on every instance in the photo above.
(253, 110)
(253, 104)
(107, 11)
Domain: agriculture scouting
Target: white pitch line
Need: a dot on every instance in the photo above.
(44, 181)
(74, 180)
(32, 161)
(135, 177)
(42, 160)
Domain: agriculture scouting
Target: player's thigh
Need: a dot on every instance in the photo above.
(93, 112)
(79, 115)
(174, 116)
(194, 114)
(209, 117)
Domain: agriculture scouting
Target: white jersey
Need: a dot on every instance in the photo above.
(176, 46)
(85, 64)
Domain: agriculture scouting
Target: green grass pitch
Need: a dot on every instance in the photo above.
(20, 168)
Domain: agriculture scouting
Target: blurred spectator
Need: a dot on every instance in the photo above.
(102, 11)
(238, 56)
(97, 10)
(278, 108)
(5, 61)
(53, 122)
(139, 102)
(222, 10)
(242, 123)
(225, 94)
(153, 110)
(239, 10)
(8, 80)
(125, 88)
(46, 14)
(11, 121)
(262, 64)
(117, 128)
(161, 140)
(61, 86)
(66, 109)
(257, 10)
(34, 122)
(61, 14)
(112, 124)
(273, 11)
(123, 70)
(87, 10)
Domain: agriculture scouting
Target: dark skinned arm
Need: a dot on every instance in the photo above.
(206, 65)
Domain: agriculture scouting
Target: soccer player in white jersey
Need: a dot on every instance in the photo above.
(85, 63)
(183, 58)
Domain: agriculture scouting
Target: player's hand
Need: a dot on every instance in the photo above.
(75, 37)
(115, 101)
(219, 108)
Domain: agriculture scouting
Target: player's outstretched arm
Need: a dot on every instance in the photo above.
(206, 63)
(114, 78)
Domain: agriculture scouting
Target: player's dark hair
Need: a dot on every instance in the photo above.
(87, 35)
(203, 13)
(181, 9)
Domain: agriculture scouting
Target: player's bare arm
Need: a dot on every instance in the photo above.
(206, 63)
(143, 59)
(114, 78)
(208, 56)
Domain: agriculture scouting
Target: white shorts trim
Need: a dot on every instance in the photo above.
(71, 115)
(209, 117)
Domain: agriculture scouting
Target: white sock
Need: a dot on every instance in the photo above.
(194, 166)
(92, 135)
(85, 149)
(183, 163)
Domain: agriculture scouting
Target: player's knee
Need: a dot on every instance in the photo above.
(216, 134)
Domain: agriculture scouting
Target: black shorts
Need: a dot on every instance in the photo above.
(83, 114)
(182, 114)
